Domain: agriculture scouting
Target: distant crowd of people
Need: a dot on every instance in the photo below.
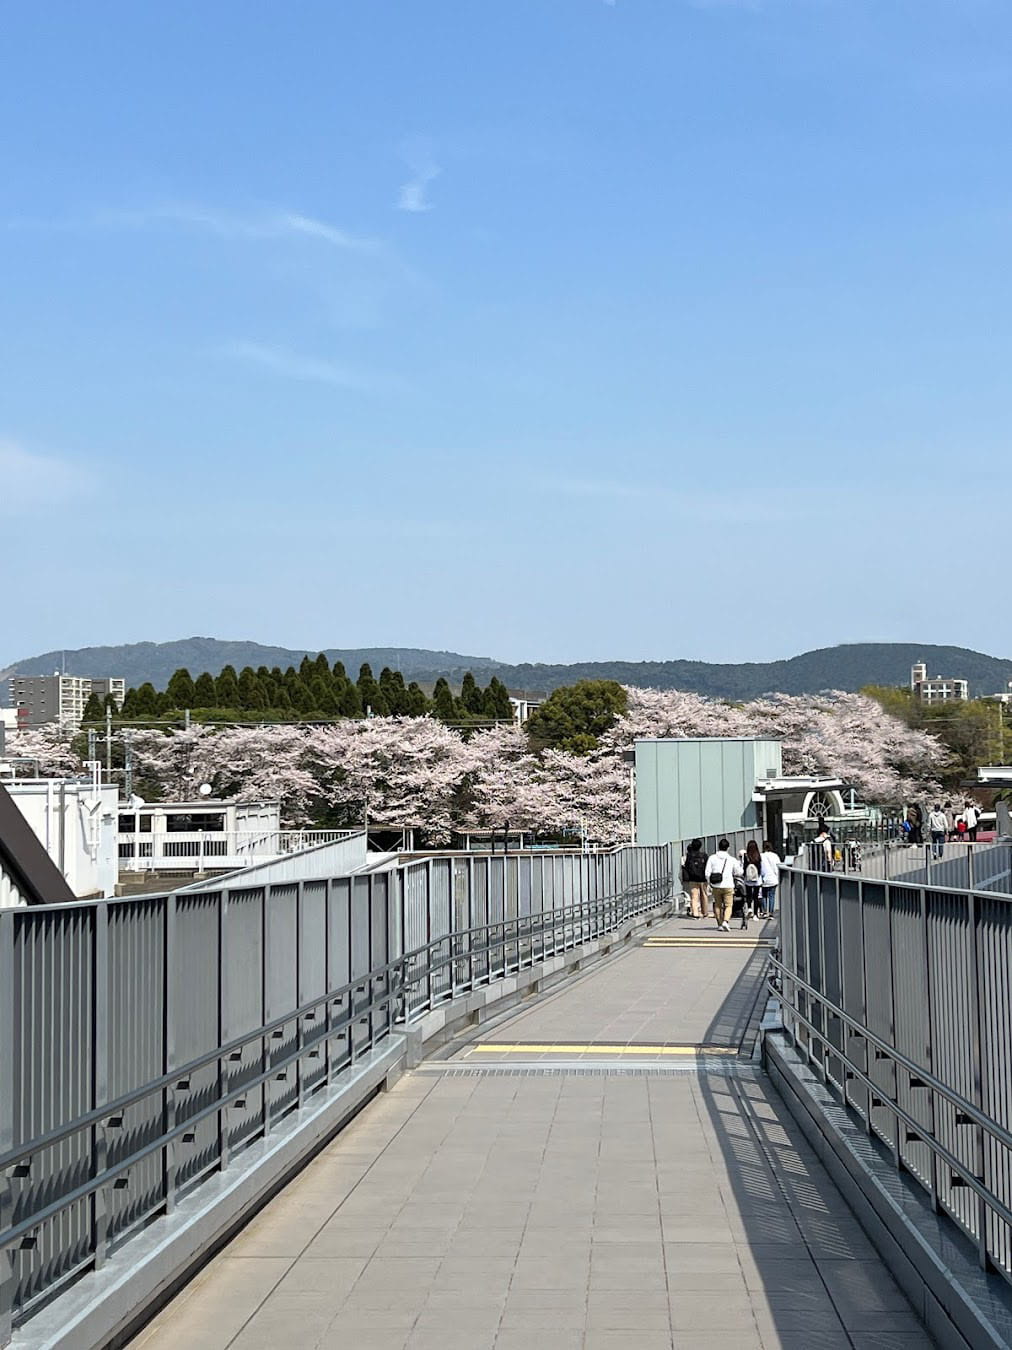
(719, 878)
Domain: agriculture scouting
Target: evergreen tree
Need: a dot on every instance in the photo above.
(370, 693)
(164, 704)
(109, 704)
(339, 672)
(321, 670)
(418, 704)
(323, 697)
(247, 687)
(393, 692)
(497, 701)
(204, 695)
(93, 710)
(471, 698)
(146, 700)
(180, 689)
(306, 671)
(349, 704)
(226, 689)
(443, 702)
(130, 708)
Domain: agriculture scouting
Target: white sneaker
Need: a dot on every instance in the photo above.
(725, 927)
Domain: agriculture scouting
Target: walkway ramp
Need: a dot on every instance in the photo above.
(604, 1167)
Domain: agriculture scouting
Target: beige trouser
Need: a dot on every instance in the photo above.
(722, 900)
(698, 900)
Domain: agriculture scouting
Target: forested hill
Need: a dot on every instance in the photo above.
(846, 667)
(157, 661)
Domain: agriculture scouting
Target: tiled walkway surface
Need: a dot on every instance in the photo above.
(563, 1199)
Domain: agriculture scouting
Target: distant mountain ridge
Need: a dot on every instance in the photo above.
(848, 667)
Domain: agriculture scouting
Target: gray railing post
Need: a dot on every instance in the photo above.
(100, 1079)
(979, 1082)
(9, 1024)
(169, 1049)
(221, 1085)
(266, 1007)
(929, 1040)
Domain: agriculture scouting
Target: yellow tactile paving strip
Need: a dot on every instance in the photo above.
(654, 1051)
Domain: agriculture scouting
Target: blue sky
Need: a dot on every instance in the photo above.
(539, 329)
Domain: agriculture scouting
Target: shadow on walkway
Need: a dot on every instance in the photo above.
(815, 1279)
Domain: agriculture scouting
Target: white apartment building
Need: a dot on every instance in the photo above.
(936, 689)
(43, 700)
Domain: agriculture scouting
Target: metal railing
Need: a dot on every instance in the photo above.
(899, 994)
(983, 866)
(145, 1043)
(183, 850)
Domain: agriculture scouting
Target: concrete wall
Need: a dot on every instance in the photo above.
(699, 787)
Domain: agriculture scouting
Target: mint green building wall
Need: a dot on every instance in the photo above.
(697, 787)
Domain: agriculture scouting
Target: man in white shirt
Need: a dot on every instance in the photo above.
(721, 870)
(938, 824)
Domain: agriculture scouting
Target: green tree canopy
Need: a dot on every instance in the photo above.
(181, 690)
(443, 702)
(93, 709)
(226, 688)
(204, 695)
(497, 701)
(572, 718)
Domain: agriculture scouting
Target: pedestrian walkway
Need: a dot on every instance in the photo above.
(604, 1167)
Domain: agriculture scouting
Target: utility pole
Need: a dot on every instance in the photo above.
(128, 765)
(108, 743)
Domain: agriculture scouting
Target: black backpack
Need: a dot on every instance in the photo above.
(695, 865)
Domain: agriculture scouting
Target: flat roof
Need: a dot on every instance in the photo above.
(696, 740)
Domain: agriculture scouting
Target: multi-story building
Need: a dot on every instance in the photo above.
(45, 700)
(935, 689)
(103, 688)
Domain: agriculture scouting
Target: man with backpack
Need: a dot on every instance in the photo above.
(721, 871)
(694, 879)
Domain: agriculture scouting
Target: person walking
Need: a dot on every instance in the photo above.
(822, 851)
(769, 877)
(916, 818)
(752, 863)
(721, 870)
(694, 879)
(972, 817)
(938, 826)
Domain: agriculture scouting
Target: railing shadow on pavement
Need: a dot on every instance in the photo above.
(808, 1266)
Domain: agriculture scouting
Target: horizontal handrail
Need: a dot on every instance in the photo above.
(483, 941)
(875, 1090)
(956, 1099)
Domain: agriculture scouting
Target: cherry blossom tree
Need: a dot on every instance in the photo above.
(50, 752)
(401, 771)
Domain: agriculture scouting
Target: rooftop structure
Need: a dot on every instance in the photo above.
(935, 689)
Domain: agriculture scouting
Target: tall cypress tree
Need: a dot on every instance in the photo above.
(418, 704)
(348, 702)
(204, 695)
(369, 692)
(180, 689)
(497, 701)
(226, 689)
(443, 702)
(471, 698)
(93, 710)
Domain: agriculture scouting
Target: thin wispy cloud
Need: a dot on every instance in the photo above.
(231, 225)
(424, 170)
(31, 480)
(313, 369)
